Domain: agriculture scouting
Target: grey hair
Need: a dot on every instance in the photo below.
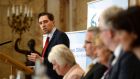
(109, 13)
(62, 55)
(95, 31)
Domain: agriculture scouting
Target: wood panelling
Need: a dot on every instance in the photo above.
(6, 33)
(64, 17)
(81, 15)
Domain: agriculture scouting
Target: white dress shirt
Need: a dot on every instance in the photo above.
(117, 54)
(50, 35)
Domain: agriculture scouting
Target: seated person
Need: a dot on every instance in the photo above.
(103, 53)
(64, 62)
(95, 70)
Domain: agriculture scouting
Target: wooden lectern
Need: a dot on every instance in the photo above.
(15, 64)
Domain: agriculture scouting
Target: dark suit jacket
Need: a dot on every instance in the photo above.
(57, 38)
(127, 67)
(96, 72)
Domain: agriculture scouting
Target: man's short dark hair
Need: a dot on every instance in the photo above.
(50, 16)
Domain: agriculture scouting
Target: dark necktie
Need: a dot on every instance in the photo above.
(45, 47)
(107, 73)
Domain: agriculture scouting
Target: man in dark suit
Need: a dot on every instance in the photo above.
(127, 67)
(95, 69)
(52, 37)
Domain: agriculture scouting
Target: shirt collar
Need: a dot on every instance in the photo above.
(50, 34)
(118, 51)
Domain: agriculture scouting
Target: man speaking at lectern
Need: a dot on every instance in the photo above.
(53, 37)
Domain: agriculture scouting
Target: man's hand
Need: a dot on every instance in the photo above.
(33, 57)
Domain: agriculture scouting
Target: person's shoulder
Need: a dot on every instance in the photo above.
(130, 65)
(129, 59)
(129, 56)
(76, 76)
(79, 69)
(99, 65)
(60, 33)
(100, 68)
(57, 30)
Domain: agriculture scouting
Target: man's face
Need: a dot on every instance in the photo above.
(89, 45)
(104, 33)
(46, 24)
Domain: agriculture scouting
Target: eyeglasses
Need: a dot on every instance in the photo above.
(88, 42)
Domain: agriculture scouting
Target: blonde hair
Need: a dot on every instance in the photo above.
(95, 31)
(106, 53)
(62, 55)
(98, 41)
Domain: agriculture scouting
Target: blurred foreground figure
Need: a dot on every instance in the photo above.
(126, 25)
(39, 71)
(125, 65)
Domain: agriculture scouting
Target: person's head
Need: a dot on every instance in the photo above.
(107, 34)
(62, 59)
(46, 22)
(91, 34)
(127, 27)
(103, 53)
